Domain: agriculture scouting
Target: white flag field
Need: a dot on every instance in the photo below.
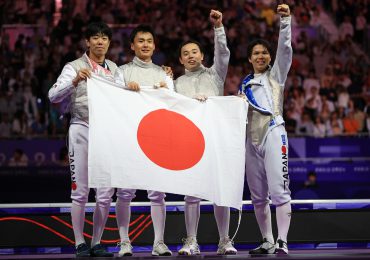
(156, 139)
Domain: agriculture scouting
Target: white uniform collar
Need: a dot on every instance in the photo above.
(195, 72)
(142, 63)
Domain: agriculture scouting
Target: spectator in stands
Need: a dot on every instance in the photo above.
(9, 104)
(268, 14)
(311, 181)
(19, 159)
(316, 16)
(290, 120)
(350, 124)
(296, 101)
(309, 190)
(305, 125)
(343, 97)
(327, 78)
(360, 27)
(319, 128)
(30, 104)
(5, 126)
(38, 127)
(20, 125)
(325, 112)
(346, 28)
(310, 81)
(327, 104)
(335, 125)
(344, 79)
(360, 116)
(313, 103)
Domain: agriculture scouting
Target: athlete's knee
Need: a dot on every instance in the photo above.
(156, 197)
(157, 202)
(104, 196)
(260, 202)
(79, 199)
(80, 195)
(280, 199)
(126, 195)
(191, 199)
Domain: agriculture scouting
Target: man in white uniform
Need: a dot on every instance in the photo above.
(71, 87)
(200, 82)
(142, 72)
(267, 142)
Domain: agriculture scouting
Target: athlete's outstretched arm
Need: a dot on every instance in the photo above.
(284, 53)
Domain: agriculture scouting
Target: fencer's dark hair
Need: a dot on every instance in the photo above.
(262, 42)
(141, 28)
(97, 28)
(187, 42)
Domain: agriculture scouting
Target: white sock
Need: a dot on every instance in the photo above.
(263, 216)
(78, 220)
(100, 219)
(192, 214)
(222, 216)
(158, 213)
(123, 215)
(283, 216)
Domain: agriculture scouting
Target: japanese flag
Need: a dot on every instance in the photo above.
(156, 139)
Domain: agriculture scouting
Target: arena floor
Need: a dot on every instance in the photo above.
(293, 254)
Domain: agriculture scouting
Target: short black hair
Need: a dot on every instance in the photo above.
(262, 42)
(97, 28)
(141, 28)
(188, 42)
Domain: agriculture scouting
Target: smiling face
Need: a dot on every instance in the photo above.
(98, 46)
(191, 56)
(260, 58)
(143, 46)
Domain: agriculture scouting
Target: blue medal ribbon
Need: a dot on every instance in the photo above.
(247, 90)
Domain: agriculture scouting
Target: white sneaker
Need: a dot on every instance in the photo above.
(126, 249)
(226, 247)
(160, 249)
(281, 247)
(190, 247)
(265, 248)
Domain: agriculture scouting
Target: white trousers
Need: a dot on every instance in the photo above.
(78, 138)
(267, 168)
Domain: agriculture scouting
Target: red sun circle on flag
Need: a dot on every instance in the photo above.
(170, 140)
(283, 149)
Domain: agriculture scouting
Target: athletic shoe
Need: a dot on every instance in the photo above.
(82, 250)
(226, 247)
(265, 248)
(99, 251)
(281, 247)
(160, 249)
(190, 247)
(126, 249)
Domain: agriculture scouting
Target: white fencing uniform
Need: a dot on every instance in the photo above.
(208, 82)
(267, 142)
(78, 135)
(145, 74)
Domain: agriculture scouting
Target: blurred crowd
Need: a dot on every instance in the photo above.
(328, 88)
